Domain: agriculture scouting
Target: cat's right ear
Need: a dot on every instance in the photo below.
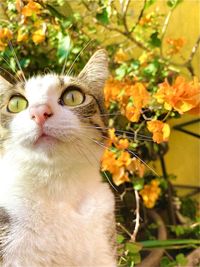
(95, 72)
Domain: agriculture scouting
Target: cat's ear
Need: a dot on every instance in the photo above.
(4, 84)
(95, 71)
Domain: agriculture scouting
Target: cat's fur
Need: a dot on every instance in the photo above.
(54, 209)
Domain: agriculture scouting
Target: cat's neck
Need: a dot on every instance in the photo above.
(53, 177)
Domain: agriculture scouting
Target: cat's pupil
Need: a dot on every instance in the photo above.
(72, 95)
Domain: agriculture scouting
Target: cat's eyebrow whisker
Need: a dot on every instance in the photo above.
(76, 58)
(17, 61)
(10, 74)
(130, 138)
(104, 115)
(120, 131)
(9, 65)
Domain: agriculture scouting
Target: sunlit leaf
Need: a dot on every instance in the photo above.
(155, 40)
(103, 16)
(173, 3)
(133, 247)
(138, 183)
(181, 260)
(64, 46)
(149, 3)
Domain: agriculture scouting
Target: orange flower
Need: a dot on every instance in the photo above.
(120, 56)
(145, 20)
(160, 130)
(31, 8)
(5, 36)
(132, 113)
(176, 45)
(124, 159)
(137, 167)
(108, 162)
(150, 193)
(22, 35)
(120, 177)
(39, 35)
(182, 96)
(112, 90)
(123, 144)
(118, 143)
(18, 4)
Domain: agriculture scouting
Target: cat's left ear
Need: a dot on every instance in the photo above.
(4, 84)
(96, 71)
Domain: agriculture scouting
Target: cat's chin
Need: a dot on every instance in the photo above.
(46, 142)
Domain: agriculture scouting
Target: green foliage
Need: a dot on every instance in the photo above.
(179, 261)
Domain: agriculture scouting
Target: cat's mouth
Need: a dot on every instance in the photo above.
(45, 139)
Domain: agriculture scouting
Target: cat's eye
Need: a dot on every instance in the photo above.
(17, 103)
(72, 97)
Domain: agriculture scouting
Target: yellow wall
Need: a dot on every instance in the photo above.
(183, 156)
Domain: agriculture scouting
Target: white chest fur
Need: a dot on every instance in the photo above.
(69, 229)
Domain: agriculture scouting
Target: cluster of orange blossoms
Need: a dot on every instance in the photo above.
(28, 10)
(182, 96)
(150, 193)
(119, 162)
(39, 27)
(176, 45)
(130, 97)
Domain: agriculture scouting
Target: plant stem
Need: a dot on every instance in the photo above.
(137, 219)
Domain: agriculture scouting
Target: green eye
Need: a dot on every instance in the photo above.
(17, 103)
(72, 97)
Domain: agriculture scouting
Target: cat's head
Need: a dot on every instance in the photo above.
(50, 113)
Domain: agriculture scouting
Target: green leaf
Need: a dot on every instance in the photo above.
(136, 258)
(181, 259)
(165, 262)
(173, 3)
(149, 3)
(121, 71)
(154, 40)
(120, 239)
(133, 247)
(103, 16)
(151, 69)
(138, 183)
(24, 62)
(64, 45)
(135, 64)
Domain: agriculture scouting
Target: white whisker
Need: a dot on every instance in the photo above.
(72, 65)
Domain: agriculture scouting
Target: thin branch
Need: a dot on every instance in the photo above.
(137, 219)
(124, 229)
(126, 33)
(194, 50)
(124, 18)
(139, 17)
(164, 30)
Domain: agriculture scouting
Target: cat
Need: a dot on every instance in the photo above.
(55, 211)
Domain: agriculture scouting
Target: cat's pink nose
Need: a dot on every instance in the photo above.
(40, 113)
